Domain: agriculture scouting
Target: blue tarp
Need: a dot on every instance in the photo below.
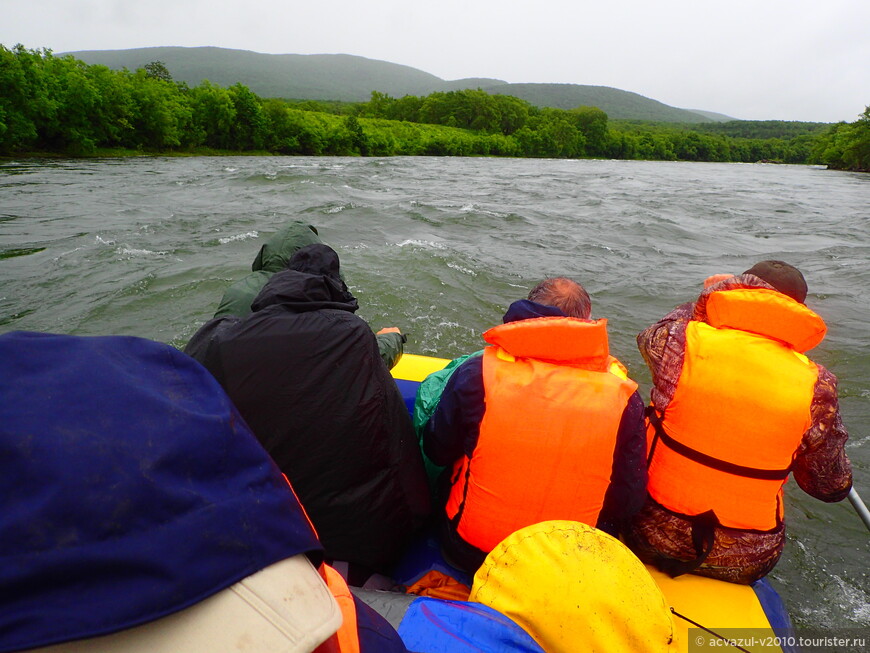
(130, 488)
(437, 626)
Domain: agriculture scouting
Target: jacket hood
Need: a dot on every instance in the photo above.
(311, 282)
(525, 309)
(280, 248)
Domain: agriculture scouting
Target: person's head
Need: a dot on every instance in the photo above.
(784, 278)
(279, 249)
(565, 294)
(316, 259)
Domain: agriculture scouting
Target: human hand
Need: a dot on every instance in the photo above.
(716, 278)
(389, 330)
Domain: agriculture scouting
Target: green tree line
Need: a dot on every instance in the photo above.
(62, 105)
(846, 146)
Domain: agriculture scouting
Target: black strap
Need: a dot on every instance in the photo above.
(703, 527)
(454, 522)
(709, 461)
(655, 420)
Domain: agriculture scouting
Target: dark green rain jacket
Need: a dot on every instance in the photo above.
(273, 257)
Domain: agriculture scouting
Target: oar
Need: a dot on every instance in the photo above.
(859, 507)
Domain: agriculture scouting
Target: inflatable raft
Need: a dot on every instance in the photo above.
(701, 607)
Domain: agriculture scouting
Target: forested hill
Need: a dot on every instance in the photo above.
(618, 105)
(352, 79)
(290, 76)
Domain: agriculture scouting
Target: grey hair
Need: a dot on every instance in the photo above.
(565, 294)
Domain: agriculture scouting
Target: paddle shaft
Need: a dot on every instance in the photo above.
(859, 507)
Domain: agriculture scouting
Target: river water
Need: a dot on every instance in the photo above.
(440, 247)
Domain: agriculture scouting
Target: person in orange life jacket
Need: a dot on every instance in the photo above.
(736, 407)
(545, 425)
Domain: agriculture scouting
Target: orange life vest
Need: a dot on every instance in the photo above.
(554, 399)
(346, 639)
(740, 408)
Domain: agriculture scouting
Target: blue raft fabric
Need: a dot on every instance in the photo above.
(130, 488)
(774, 610)
(408, 390)
(438, 626)
(421, 557)
(375, 633)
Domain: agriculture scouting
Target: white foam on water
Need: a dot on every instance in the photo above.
(854, 601)
(855, 442)
(62, 254)
(132, 252)
(467, 271)
(429, 244)
(102, 241)
(317, 165)
(245, 236)
(473, 208)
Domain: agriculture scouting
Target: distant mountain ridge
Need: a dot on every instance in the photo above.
(352, 78)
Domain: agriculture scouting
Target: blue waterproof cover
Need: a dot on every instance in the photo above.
(774, 610)
(408, 390)
(438, 626)
(424, 555)
(130, 488)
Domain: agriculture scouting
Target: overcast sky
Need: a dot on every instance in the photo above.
(749, 59)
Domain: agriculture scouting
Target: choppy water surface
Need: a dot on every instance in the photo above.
(440, 246)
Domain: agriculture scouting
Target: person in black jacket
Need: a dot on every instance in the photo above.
(306, 375)
(273, 257)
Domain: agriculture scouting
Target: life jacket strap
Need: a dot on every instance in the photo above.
(652, 415)
(454, 521)
(704, 459)
(703, 532)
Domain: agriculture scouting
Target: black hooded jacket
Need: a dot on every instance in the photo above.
(306, 375)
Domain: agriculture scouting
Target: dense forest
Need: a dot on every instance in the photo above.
(61, 105)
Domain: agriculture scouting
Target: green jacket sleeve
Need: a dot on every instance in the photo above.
(238, 298)
(391, 346)
(428, 396)
(429, 392)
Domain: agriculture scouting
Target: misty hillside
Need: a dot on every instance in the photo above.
(618, 105)
(352, 79)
